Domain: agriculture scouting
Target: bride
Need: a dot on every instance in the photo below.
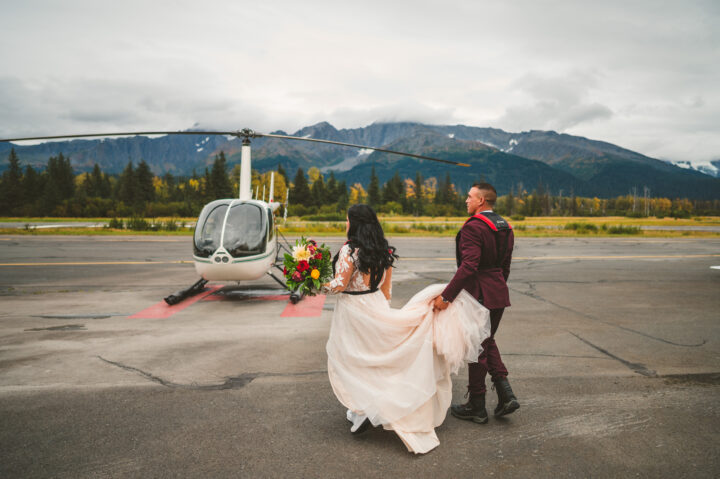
(392, 367)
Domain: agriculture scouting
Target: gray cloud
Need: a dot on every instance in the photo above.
(554, 103)
(641, 74)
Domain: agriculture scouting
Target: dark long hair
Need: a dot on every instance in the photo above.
(366, 235)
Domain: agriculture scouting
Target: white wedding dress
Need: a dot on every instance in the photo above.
(393, 366)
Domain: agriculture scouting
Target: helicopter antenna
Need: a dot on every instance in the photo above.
(245, 134)
(287, 199)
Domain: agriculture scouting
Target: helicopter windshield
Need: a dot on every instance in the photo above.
(245, 233)
(209, 230)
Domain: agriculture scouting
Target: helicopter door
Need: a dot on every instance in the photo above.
(245, 230)
(209, 229)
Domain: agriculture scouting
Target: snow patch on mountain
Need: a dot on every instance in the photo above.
(710, 168)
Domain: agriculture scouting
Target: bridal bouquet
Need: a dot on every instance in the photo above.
(308, 267)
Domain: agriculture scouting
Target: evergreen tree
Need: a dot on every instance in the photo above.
(221, 185)
(126, 185)
(60, 174)
(394, 190)
(31, 186)
(300, 191)
(319, 192)
(419, 200)
(374, 189)
(94, 182)
(342, 196)
(445, 194)
(145, 192)
(11, 191)
(208, 187)
(332, 188)
(281, 171)
(510, 203)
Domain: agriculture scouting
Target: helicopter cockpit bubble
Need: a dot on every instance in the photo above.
(208, 231)
(245, 230)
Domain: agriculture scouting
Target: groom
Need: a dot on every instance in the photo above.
(483, 249)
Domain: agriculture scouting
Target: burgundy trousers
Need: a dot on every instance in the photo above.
(489, 360)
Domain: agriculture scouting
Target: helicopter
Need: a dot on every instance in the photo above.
(236, 239)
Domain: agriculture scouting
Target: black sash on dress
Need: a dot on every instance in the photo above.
(361, 292)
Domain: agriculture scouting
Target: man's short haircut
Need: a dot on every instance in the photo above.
(489, 190)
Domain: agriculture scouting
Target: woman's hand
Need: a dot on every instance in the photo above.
(439, 304)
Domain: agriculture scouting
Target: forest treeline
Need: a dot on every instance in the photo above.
(58, 191)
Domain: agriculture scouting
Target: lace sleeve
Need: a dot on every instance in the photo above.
(343, 271)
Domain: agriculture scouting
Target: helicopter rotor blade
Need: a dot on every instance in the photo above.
(131, 133)
(383, 150)
(246, 134)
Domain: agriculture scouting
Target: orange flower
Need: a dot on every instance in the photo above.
(315, 274)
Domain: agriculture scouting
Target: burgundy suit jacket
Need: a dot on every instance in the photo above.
(480, 272)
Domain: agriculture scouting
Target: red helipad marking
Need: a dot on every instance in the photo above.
(162, 310)
(309, 306)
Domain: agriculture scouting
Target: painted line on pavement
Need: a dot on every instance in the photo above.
(97, 263)
(560, 258)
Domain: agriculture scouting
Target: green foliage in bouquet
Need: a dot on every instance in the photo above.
(308, 267)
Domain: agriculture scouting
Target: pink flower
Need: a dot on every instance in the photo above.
(296, 276)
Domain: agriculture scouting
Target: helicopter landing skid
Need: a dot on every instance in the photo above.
(196, 288)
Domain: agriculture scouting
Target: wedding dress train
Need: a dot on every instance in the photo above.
(393, 366)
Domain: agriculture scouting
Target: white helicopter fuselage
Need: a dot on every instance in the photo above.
(236, 239)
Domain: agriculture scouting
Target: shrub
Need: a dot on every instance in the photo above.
(582, 228)
(169, 225)
(137, 223)
(325, 217)
(517, 217)
(116, 224)
(623, 230)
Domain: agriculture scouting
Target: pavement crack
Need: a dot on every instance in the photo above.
(636, 367)
(64, 327)
(533, 294)
(554, 355)
(232, 382)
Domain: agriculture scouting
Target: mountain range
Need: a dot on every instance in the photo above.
(559, 162)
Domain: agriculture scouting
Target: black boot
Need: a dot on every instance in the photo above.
(507, 402)
(473, 410)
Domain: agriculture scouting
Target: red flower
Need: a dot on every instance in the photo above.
(284, 270)
(318, 256)
(303, 265)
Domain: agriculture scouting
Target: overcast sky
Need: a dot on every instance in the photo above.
(644, 75)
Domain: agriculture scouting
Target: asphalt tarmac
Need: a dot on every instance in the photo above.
(613, 348)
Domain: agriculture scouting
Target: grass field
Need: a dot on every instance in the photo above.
(410, 226)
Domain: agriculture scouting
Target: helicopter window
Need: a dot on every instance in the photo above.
(245, 231)
(271, 225)
(209, 230)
